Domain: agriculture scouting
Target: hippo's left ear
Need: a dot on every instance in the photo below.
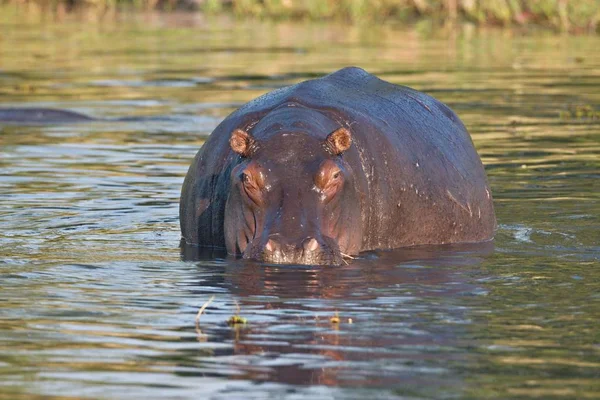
(242, 142)
(339, 141)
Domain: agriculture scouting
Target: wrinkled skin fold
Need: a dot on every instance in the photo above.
(333, 166)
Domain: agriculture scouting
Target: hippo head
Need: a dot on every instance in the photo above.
(292, 199)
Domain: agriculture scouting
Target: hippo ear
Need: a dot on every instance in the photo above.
(339, 140)
(241, 142)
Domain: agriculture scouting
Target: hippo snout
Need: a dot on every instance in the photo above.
(309, 251)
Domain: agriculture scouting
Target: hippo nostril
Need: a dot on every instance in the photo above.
(271, 246)
(311, 245)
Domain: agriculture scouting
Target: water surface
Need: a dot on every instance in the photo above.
(98, 301)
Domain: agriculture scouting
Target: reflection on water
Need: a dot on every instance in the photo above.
(389, 335)
(98, 299)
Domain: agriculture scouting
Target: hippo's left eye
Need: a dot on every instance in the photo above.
(329, 180)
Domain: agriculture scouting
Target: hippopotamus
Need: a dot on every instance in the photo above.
(331, 167)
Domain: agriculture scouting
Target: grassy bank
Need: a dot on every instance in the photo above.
(564, 15)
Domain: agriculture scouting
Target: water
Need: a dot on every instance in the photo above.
(98, 301)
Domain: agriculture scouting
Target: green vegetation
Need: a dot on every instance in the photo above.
(584, 112)
(565, 15)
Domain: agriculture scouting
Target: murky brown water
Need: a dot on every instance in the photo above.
(97, 302)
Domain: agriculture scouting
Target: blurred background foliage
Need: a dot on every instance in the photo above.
(566, 15)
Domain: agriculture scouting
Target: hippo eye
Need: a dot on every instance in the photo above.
(245, 178)
(336, 175)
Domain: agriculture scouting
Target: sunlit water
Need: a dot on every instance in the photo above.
(97, 301)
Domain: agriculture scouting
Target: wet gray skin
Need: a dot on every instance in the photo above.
(332, 167)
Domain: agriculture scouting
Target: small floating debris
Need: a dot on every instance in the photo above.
(236, 319)
(201, 310)
(201, 336)
(335, 319)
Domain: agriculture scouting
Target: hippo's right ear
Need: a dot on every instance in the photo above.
(242, 142)
(339, 141)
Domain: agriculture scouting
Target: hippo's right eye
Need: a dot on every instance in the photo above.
(245, 178)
